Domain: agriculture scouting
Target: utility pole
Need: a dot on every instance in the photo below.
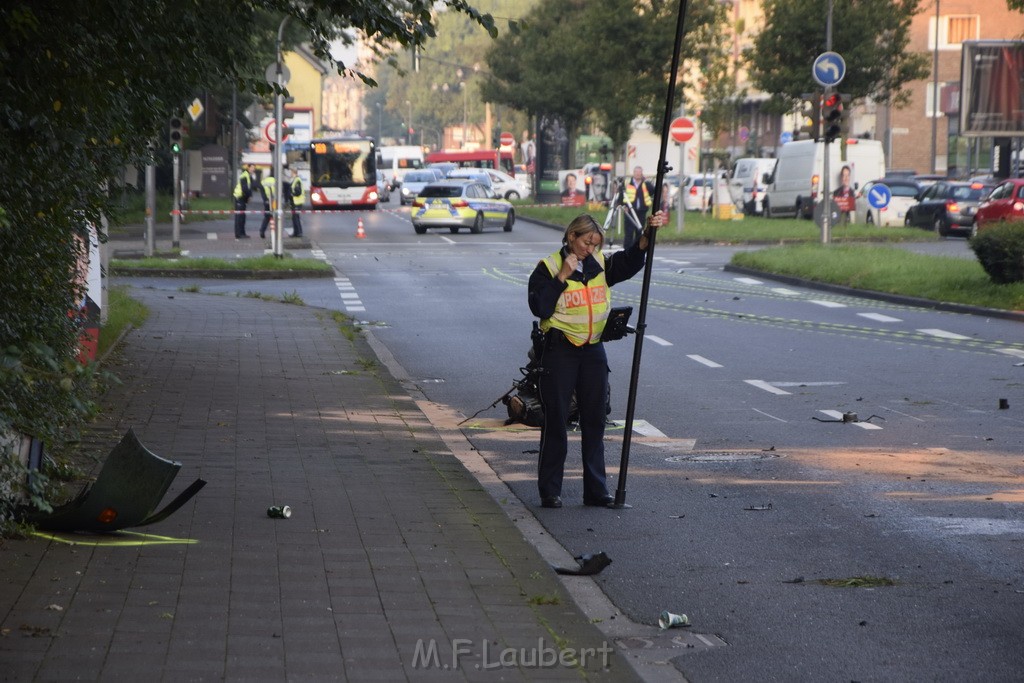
(826, 186)
(277, 205)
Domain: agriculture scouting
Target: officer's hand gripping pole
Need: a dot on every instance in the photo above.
(641, 325)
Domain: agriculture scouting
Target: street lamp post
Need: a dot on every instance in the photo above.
(465, 108)
(408, 126)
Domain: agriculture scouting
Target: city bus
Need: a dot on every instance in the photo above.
(481, 158)
(343, 173)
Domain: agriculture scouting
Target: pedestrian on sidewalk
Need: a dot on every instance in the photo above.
(242, 195)
(297, 198)
(569, 292)
(268, 187)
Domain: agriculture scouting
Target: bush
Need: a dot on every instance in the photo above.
(1000, 250)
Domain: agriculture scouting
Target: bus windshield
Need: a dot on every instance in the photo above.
(343, 173)
(342, 163)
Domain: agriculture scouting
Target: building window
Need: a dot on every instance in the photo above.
(932, 99)
(954, 29)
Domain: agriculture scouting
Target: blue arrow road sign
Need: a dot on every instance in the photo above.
(785, 136)
(879, 196)
(829, 69)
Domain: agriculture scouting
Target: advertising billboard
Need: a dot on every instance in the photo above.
(992, 92)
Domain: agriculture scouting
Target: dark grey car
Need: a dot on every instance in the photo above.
(947, 207)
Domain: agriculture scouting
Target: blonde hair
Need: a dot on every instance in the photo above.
(584, 224)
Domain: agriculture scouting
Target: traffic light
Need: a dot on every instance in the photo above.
(286, 114)
(810, 116)
(831, 114)
(844, 115)
(175, 134)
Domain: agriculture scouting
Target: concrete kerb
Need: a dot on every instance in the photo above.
(651, 661)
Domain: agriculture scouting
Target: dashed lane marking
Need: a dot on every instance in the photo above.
(643, 428)
(878, 317)
(1012, 352)
(657, 340)
(349, 298)
(748, 280)
(826, 304)
(785, 292)
(839, 416)
(943, 334)
(704, 361)
(761, 384)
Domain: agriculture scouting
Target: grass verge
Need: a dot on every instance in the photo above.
(266, 262)
(886, 269)
(122, 312)
(133, 208)
(705, 228)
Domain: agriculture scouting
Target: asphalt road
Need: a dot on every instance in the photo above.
(754, 504)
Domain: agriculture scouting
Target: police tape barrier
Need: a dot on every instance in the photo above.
(231, 212)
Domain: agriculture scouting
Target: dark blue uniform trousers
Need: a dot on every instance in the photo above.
(585, 369)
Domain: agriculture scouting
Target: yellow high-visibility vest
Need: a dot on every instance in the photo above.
(631, 194)
(298, 194)
(582, 310)
(239, 193)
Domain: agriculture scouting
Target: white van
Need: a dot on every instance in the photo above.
(746, 184)
(397, 160)
(795, 184)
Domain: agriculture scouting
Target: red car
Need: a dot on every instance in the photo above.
(1004, 203)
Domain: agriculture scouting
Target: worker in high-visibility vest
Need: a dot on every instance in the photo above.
(296, 197)
(242, 195)
(640, 195)
(268, 186)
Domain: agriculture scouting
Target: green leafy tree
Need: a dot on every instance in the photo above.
(607, 62)
(875, 49)
(85, 90)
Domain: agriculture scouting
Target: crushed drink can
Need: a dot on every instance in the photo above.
(279, 511)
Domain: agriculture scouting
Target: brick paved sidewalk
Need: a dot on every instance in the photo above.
(395, 565)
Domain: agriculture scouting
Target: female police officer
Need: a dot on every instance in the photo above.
(568, 291)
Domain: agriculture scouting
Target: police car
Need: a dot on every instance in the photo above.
(455, 204)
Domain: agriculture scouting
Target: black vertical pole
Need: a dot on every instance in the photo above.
(641, 324)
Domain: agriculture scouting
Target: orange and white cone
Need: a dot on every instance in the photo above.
(360, 233)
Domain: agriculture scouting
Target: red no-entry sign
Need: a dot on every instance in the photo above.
(507, 139)
(682, 129)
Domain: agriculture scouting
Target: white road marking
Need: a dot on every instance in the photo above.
(449, 240)
(211, 235)
(785, 292)
(748, 280)
(942, 334)
(673, 261)
(657, 340)
(839, 416)
(1012, 352)
(643, 427)
(761, 384)
(348, 295)
(806, 384)
(880, 318)
(827, 304)
(771, 416)
(704, 361)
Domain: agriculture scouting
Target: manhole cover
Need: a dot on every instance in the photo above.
(724, 456)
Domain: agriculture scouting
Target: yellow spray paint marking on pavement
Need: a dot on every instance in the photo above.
(116, 539)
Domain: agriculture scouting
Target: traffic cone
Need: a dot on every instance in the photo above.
(360, 233)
